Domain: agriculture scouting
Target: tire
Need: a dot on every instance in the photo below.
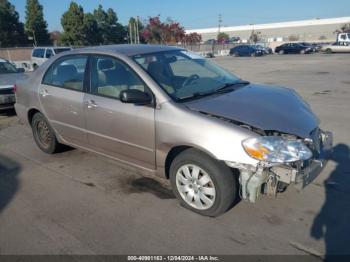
(329, 51)
(44, 135)
(281, 52)
(253, 54)
(219, 184)
(236, 54)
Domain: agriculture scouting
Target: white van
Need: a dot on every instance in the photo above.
(41, 54)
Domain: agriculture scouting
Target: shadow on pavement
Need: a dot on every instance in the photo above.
(333, 221)
(9, 183)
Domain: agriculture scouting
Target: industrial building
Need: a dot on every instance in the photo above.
(314, 30)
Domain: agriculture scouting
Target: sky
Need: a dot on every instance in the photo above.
(194, 14)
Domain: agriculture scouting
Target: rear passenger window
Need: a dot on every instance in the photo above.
(39, 52)
(110, 76)
(67, 73)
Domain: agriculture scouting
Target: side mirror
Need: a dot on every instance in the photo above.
(135, 96)
(20, 70)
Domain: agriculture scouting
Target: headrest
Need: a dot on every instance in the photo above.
(67, 70)
(105, 64)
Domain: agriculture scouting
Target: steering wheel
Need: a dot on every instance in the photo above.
(190, 79)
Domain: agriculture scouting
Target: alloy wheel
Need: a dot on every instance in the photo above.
(195, 186)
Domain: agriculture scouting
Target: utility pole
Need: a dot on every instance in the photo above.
(220, 21)
(137, 30)
(130, 33)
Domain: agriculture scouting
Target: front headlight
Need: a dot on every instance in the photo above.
(276, 149)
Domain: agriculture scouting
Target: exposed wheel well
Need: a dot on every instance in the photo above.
(175, 151)
(31, 113)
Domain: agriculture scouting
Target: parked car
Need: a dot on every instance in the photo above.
(246, 50)
(8, 75)
(177, 115)
(267, 50)
(293, 48)
(314, 47)
(336, 48)
(41, 54)
(210, 42)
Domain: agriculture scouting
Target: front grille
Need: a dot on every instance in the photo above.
(7, 91)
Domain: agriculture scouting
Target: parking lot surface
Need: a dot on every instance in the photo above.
(80, 203)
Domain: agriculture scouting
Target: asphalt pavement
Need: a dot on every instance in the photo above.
(76, 202)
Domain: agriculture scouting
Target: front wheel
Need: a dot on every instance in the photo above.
(328, 51)
(203, 184)
(281, 52)
(44, 135)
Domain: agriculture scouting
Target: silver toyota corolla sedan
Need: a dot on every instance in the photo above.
(174, 114)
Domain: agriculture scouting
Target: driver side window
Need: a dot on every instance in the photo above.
(110, 76)
(182, 67)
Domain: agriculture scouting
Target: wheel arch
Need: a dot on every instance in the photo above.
(31, 112)
(178, 149)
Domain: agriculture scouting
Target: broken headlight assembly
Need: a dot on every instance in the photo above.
(276, 149)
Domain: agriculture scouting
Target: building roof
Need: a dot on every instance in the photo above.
(301, 23)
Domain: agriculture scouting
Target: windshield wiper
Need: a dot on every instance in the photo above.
(222, 89)
(226, 85)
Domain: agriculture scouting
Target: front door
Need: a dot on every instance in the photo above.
(61, 96)
(124, 131)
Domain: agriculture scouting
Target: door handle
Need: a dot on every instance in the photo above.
(91, 104)
(44, 93)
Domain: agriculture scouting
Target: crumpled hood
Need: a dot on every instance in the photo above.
(10, 79)
(264, 107)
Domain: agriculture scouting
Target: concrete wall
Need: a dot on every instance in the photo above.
(16, 54)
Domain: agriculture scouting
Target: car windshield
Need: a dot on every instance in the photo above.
(6, 67)
(60, 50)
(185, 75)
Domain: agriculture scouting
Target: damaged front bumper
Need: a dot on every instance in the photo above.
(269, 179)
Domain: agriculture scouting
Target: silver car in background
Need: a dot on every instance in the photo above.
(174, 114)
(9, 74)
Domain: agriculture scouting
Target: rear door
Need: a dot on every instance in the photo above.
(124, 131)
(61, 95)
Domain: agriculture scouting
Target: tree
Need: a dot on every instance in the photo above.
(55, 37)
(73, 25)
(293, 38)
(192, 38)
(344, 29)
(36, 26)
(222, 38)
(11, 30)
(92, 35)
(254, 37)
(111, 31)
(158, 32)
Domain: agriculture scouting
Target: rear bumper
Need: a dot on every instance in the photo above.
(7, 101)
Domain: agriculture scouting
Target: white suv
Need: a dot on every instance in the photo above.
(41, 54)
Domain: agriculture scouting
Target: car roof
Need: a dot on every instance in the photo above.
(3, 60)
(55, 47)
(126, 49)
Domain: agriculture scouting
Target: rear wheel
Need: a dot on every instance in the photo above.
(44, 135)
(236, 54)
(203, 184)
(328, 51)
(302, 52)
